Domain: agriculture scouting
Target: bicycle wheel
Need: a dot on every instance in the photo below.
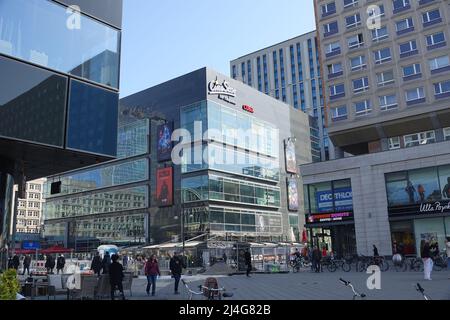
(437, 265)
(346, 267)
(332, 267)
(384, 265)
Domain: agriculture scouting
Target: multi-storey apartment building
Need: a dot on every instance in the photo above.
(290, 72)
(386, 66)
(29, 209)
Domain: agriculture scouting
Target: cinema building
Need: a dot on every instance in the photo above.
(230, 173)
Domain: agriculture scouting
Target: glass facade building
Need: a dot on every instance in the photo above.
(60, 91)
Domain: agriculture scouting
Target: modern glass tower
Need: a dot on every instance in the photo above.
(59, 80)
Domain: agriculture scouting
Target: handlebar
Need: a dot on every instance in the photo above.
(419, 288)
(355, 293)
(346, 283)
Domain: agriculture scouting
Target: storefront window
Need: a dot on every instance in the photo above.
(397, 189)
(444, 179)
(403, 234)
(431, 230)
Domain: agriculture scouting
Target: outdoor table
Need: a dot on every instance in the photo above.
(38, 282)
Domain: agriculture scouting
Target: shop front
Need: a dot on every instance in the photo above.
(419, 207)
(329, 216)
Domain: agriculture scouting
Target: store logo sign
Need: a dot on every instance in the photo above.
(436, 207)
(222, 90)
(248, 108)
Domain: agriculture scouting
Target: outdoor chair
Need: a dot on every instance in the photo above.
(55, 285)
(88, 288)
(127, 282)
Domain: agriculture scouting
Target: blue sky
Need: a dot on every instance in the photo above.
(163, 39)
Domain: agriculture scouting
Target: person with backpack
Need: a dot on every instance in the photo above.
(152, 272)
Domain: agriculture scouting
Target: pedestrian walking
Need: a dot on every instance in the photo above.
(96, 264)
(152, 272)
(224, 256)
(60, 263)
(116, 276)
(426, 258)
(248, 261)
(26, 264)
(317, 257)
(16, 262)
(176, 266)
(125, 261)
(50, 264)
(106, 262)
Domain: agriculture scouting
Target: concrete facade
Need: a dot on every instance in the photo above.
(367, 174)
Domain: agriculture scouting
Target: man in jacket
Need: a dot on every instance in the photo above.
(60, 263)
(96, 264)
(176, 268)
(116, 276)
(26, 264)
(248, 262)
(106, 262)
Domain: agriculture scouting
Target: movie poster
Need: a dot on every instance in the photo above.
(291, 163)
(164, 187)
(292, 189)
(164, 143)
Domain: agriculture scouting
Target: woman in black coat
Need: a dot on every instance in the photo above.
(96, 264)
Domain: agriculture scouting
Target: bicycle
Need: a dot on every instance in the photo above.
(379, 261)
(422, 291)
(298, 263)
(439, 262)
(356, 294)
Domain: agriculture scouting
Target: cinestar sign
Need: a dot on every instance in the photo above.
(222, 90)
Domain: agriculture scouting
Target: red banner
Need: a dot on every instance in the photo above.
(164, 187)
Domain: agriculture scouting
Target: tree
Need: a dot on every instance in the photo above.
(9, 285)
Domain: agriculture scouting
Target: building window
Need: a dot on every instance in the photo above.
(394, 143)
(415, 94)
(447, 134)
(350, 3)
(386, 77)
(265, 71)
(328, 9)
(382, 55)
(374, 11)
(358, 63)
(330, 28)
(380, 34)
(421, 138)
(243, 72)
(360, 85)
(249, 72)
(439, 62)
(388, 102)
(334, 68)
(363, 108)
(353, 21)
(337, 90)
(233, 72)
(330, 49)
(405, 25)
(339, 113)
(442, 88)
(408, 48)
(435, 40)
(258, 70)
(355, 41)
(400, 5)
(412, 70)
(431, 17)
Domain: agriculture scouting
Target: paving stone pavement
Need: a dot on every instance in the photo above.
(304, 286)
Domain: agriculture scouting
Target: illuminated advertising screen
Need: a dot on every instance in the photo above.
(291, 163)
(343, 200)
(164, 187)
(164, 143)
(292, 189)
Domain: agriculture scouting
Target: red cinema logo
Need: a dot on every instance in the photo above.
(248, 108)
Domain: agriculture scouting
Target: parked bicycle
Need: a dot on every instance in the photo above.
(299, 263)
(356, 294)
(210, 290)
(366, 261)
(403, 263)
